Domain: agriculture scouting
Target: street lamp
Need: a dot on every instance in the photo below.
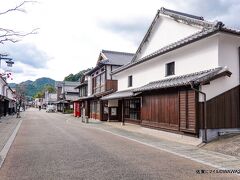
(9, 64)
(7, 60)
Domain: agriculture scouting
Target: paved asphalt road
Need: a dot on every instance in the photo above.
(51, 146)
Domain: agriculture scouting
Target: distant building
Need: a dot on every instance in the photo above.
(101, 83)
(66, 95)
(38, 102)
(81, 107)
(50, 98)
(7, 98)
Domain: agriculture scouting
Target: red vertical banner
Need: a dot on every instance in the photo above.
(76, 109)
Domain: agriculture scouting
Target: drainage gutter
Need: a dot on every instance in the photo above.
(205, 110)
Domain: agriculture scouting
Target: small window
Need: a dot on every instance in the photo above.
(129, 81)
(113, 111)
(170, 68)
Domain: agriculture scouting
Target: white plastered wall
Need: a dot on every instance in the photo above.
(227, 57)
(10, 94)
(1, 86)
(89, 85)
(198, 56)
(166, 31)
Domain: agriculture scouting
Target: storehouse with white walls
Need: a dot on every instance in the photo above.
(184, 77)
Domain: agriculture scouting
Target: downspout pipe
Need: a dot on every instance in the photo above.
(205, 110)
(239, 62)
(123, 120)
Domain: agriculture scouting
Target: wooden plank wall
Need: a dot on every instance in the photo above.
(111, 84)
(160, 110)
(94, 114)
(223, 110)
(187, 113)
(1, 108)
(87, 108)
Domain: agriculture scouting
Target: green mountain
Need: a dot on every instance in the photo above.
(76, 77)
(32, 87)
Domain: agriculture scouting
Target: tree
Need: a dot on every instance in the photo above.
(9, 35)
(20, 95)
(76, 77)
(49, 88)
(39, 94)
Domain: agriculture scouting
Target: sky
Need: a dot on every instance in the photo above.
(71, 33)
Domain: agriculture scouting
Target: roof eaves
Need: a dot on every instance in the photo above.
(183, 42)
(80, 85)
(187, 18)
(197, 78)
(146, 35)
(116, 52)
(210, 76)
(165, 10)
(99, 65)
(120, 95)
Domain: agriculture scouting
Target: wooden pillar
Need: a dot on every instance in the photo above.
(123, 123)
(108, 114)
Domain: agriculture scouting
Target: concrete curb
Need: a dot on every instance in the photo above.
(7, 146)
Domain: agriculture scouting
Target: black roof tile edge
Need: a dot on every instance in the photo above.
(117, 52)
(204, 74)
(187, 18)
(183, 42)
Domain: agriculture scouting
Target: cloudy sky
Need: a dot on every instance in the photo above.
(72, 33)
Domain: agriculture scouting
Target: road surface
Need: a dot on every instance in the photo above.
(54, 146)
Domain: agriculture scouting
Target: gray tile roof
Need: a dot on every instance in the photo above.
(168, 48)
(113, 58)
(120, 94)
(178, 16)
(208, 29)
(68, 86)
(117, 58)
(188, 18)
(71, 97)
(85, 97)
(175, 13)
(70, 89)
(184, 80)
(71, 83)
(183, 42)
(85, 83)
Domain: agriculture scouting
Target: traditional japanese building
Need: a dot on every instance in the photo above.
(81, 105)
(7, 99)
(66, 95)
(184, 77)
(50, 98)
(101, 83)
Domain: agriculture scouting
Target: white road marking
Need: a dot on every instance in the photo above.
(7, 146)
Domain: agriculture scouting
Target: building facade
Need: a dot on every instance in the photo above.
(81, 105)
(101, 83)
(184, 77)
(66, 95)
(7, 99)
